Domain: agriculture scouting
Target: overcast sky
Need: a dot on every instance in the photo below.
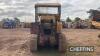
(24, 9)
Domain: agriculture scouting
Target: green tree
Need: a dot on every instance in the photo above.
(68, 19)
(77, 19)
(16, 20)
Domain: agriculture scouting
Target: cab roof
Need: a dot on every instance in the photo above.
(48, 5)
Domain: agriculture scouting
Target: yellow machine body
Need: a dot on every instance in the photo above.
(48, 24)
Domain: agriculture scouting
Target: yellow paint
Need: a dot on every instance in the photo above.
(96, 24)
(59, 26)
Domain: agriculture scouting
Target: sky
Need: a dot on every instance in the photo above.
(24, 9)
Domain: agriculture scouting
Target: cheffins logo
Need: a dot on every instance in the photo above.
(81, 48)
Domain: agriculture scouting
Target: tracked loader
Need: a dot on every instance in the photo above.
(48, 27)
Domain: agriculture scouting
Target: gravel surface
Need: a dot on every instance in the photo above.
(83, 37)
(15, 42)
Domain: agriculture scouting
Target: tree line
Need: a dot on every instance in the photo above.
(68, 19)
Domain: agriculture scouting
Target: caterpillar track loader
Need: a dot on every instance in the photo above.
(95, 19)
(47, 26)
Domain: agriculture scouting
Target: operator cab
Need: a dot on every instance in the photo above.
(47, 15)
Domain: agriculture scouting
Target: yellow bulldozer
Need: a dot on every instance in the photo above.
(48, 26)
(95, 19)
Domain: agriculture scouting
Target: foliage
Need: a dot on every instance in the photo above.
(68, 19)
(77, 19)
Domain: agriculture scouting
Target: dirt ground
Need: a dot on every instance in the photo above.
(15, 42)
(85, 37)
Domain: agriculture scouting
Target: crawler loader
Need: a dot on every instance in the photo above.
(95, 19)
(47, 26)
